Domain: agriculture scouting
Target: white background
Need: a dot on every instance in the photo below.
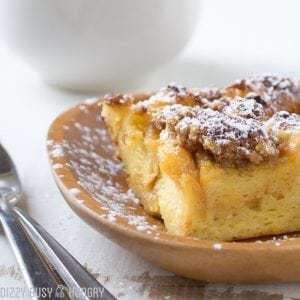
(234, 38)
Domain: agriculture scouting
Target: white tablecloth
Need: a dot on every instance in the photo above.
(234, 38)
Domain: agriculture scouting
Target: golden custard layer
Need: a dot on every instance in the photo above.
(221, 164)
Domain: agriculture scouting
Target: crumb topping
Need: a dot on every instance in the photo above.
(247, 107)
(238, 124)
(230, 139)
(118, 98)
(273, 92)
(284, 121)
(170, 115)
(170, 94)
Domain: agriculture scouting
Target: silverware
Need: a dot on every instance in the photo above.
(36, 273)
(80, 283)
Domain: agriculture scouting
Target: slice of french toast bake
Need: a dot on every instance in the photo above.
(221, 164)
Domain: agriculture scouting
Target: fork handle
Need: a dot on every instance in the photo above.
(39, 277)
(80, 282)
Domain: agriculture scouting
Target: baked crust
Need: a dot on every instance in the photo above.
(214, 163)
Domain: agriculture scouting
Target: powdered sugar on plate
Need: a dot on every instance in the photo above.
(217, 246)
(75, 191)
(57, 151)
(91, 101)
(87, 150)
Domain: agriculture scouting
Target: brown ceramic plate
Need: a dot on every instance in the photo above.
(91, 180)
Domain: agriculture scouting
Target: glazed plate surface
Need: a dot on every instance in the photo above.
(93, 183)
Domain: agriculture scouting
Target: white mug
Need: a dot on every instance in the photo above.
(97, 44)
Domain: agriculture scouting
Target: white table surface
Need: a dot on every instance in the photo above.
(234, 38)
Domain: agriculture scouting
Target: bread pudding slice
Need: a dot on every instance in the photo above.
(218, 164)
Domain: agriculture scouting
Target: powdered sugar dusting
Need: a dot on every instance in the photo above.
(90, 156)
(57, 166)
(56, 151)
(141, 223)
(284, 121)
(91, 101)
(278, 240)
(74, 191)
(245, 107)
(49, 142)
(166, 95)
(217, 246)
